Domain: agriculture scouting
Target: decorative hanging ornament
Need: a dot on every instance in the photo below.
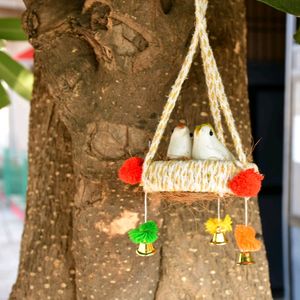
(246, 241)
(218, 238)
(247, 183)
(217, 227)
(145, 249)
(207, 171)
(245, 258)
(131, 170)
(211, 166)
(145, 235)
(200, 171)
(206, 145)
(180, 146)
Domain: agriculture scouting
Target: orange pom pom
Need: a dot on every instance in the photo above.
(247, 183)
(131, 170)
(245, 238)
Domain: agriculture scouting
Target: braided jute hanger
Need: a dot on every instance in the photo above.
(218, 101)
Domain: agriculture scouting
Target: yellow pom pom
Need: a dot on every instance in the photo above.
(227, 224)
(211, 225)
(224, 225)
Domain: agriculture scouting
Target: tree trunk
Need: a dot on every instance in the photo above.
(103, 70)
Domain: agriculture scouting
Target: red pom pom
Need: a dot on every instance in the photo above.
(247, 183)
(131, 170)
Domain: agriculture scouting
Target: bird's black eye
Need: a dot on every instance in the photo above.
(191, 134)
(211, 133)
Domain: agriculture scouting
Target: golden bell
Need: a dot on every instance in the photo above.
(218, 238)
(245, 258)
(145, 249)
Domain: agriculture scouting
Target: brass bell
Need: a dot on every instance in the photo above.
(245, 258)
(218, 238)
(145, 249)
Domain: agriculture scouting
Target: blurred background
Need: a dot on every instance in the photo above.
(13, 161)
(274, 80)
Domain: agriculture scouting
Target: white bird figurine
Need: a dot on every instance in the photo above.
(180, 146)
(207, 146)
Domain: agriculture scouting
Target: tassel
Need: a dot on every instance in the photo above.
(131, 170)
(224, 225)
(246, 183)
(245, 238)
(146, 233)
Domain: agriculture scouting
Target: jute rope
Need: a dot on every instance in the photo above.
(216, 93)
(189, 175)
(175, 91)
(145, 207)
(210, 70)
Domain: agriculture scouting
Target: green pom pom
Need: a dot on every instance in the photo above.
(145, 233)
(149, 226)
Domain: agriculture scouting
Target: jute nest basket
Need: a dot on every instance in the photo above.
(194, 180)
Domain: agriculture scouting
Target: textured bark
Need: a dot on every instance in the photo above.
(103, 70)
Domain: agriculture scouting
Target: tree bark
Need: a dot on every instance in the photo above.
(102, 73)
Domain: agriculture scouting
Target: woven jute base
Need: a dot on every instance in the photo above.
(187, 197)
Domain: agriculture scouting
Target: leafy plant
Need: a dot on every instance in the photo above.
(288, 6)
(4, 99)
(11, 29)
(16, 76)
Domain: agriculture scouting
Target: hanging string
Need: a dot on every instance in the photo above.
(219, 210)
(145, 194)
(246, 210)
(216, 92)
(145, 207)
(173, 96)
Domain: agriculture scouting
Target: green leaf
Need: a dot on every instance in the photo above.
(145, 233)
(4, 99)
(2, 43)
(287, 6)
(11, 29)
(16, 76)
(297, 36)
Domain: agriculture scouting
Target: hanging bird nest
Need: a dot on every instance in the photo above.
(187, 198)
(193, 180)
(190, 180)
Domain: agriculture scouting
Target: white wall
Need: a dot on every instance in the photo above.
(18, 122)
(4, 123)
(12, 4)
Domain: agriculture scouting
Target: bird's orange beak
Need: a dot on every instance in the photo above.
(181, 125)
